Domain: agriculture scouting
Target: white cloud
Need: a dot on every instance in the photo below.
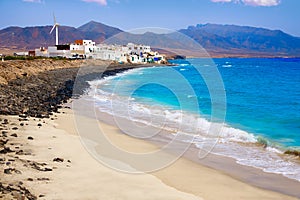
(262, 2)
(33, 1)
(252, 2)
(101, 2)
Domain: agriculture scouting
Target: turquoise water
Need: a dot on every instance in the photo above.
(262, 95)
(261, 102)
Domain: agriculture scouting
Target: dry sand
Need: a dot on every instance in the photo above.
(80, 176)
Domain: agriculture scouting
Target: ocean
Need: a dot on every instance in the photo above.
(261, 105)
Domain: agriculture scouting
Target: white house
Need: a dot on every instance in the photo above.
(41, 52)
(88, 49)
(138, 49)
(23, 53)
(59, 51)
(111, 52)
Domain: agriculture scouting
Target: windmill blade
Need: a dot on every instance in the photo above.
(52, 28)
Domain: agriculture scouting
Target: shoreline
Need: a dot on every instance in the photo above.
(225, 165)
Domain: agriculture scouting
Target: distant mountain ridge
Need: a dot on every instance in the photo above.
(234, 39)
(218, 40)
(97, 31)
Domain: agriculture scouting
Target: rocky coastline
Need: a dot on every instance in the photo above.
(35, 89)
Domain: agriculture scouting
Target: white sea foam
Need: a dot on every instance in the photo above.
(104, 80)
(183, 65)
(191, 96)
(226, 66)
(166, 117)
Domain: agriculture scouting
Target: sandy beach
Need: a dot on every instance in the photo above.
(65, 170)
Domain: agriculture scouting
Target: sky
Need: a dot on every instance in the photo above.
(170, 14)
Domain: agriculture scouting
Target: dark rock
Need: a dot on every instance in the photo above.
(20, 152)
(29, 179)
(4, 133)
(6, 150)
(292, 152)
(39, 124)
(10, 170)
(47, 169)
(22, 192)
(7, 171)
(30, 138)
(27, 193)
(36, 165)
(15, 128)
(23, 119)
(14, 135)
(21, 124)
(58, 160)
(43, 179)
(3, 142)
(23, 116)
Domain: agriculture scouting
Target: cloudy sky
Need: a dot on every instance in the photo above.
(171, 14)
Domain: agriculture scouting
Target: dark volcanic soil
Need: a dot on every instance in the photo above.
(39, 95)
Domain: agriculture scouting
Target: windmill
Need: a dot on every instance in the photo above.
(56, 29)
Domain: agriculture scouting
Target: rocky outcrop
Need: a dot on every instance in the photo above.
(37, 88)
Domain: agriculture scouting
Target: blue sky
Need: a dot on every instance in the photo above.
(171, 14)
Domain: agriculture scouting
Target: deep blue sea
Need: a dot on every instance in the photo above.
(262, 103)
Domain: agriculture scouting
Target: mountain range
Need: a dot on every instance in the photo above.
(217, 40)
